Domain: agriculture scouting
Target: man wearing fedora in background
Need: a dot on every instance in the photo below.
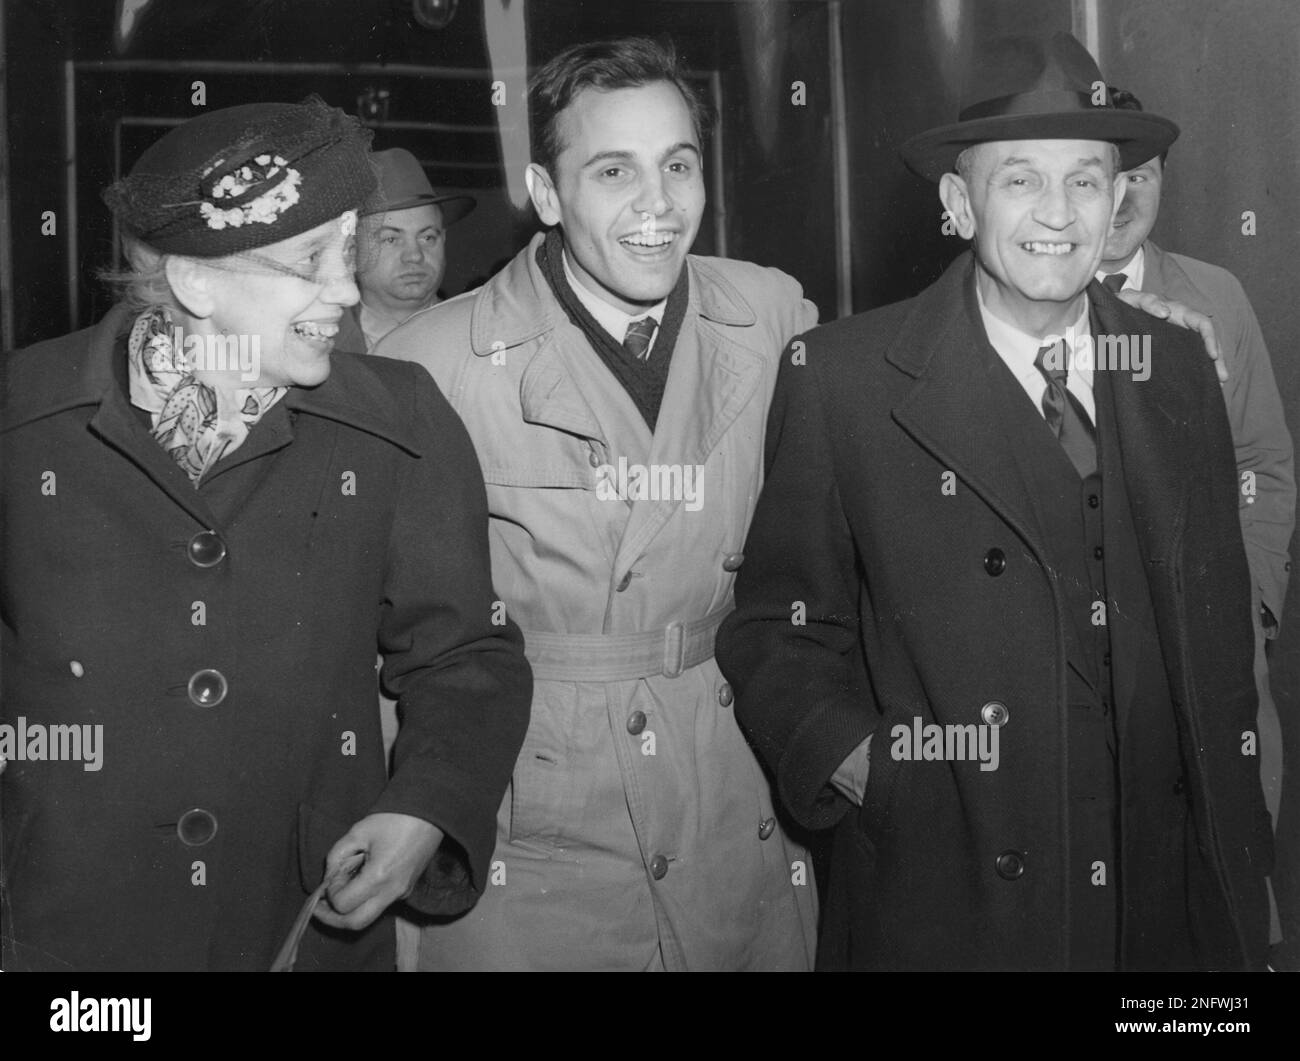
(401, 249)
(994, 617)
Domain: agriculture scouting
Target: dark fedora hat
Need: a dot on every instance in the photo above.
(1034, 88)
(403, 184)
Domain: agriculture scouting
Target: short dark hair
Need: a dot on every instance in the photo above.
(628, 62)
(1122, 99)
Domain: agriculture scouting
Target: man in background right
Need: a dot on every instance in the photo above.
(1266, 477)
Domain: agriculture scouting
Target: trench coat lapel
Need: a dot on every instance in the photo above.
(712, 378)
(949, 410)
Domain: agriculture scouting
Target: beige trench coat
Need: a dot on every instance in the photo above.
(639, 830)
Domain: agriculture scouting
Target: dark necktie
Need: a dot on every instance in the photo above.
(637, 340)
(1114, 282)
(1063, 413)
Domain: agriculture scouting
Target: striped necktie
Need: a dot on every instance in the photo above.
(1064, 415)
(637, 340)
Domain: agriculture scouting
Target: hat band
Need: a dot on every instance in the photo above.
(1043, 103)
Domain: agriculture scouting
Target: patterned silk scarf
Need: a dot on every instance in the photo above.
(195, 423)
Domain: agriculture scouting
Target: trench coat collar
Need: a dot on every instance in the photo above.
(516, 306)
(78, 371)
(945, 411)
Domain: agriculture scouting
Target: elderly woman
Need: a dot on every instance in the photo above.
(210, 525)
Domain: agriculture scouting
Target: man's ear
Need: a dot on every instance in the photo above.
(955, 197)
(191, 284)
(542, 191)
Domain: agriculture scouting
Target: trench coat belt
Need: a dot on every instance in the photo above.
(623, 657)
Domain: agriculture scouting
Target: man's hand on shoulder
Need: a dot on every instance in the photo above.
(1185, 317)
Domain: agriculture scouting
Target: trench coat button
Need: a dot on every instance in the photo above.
(196, 827)
(766, 828)
(77, 669)
(1093, 501)
(659, 867)
(593, 459)
(732, 561)
(995, 562)
(636, 722)
(207, 688)
(1098, 552)
(1010, 865)
(207, 549)
(725, 695)
(995, 713)
(624, 582)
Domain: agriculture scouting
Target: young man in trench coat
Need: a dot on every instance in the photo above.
(639, 831)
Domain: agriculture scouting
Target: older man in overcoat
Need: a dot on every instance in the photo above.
(994, 618)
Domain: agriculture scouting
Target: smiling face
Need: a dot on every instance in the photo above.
(1039, 212)
(1137, 214)
(402, 257)
(291, 295)
(628, 191)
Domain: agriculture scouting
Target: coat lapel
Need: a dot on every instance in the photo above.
(711, 379)
(948, 411)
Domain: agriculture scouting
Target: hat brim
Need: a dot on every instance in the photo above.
(1138, 135)
(454, 207)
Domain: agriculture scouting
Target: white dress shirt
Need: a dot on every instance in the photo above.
(1019, 350)
(611, 318)
(1135, 272)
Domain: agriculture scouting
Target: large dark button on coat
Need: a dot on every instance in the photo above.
(995, 713)
(995, 562)
(207, 688)
(196, 827)
(207, 549)
(624, 582)
(725, 695)
(1010, 865)
(732, 561)
(1098, 552)
(766, 828)
(1093, 501)
(659, 867)
(636, 722)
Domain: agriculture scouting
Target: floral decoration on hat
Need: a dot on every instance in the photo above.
(266, 184)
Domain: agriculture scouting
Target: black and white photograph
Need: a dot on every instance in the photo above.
(651, 486)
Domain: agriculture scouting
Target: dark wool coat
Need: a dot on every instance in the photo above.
(353, 522)
(894, 514)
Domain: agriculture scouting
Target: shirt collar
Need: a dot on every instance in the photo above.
(611, 318)
(1020, 349)
(1135, 272)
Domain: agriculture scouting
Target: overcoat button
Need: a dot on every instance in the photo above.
(1010, 865)
(593, 459)
(1098, 552)
(77, 669)
(659, 867)
(995, 562)
(636, 722)
(196, 827)
(995, 713)
(732, 561)
(207, 688)
(725, 695)
(1093, 501)
(766, 828)
(624, 582)
(207, 549)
